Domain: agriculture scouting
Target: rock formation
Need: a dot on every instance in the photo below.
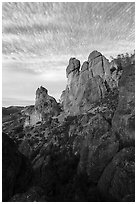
(85, 152)
(45, 106)
(89, 84)
(124, 117)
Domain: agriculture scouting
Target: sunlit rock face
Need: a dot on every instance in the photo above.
(89, 84)
(45, 106)
(99, 65)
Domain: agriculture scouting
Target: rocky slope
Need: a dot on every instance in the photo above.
(16, 169)
(83, 148)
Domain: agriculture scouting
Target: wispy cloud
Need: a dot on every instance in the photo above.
(45, 28)
(39, 38)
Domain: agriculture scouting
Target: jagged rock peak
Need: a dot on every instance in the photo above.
(43, 99)
(41, 90)
(84, 66)
(45, 106)
(94, 55)
(41, 93)
(88, 84)
(74, 64)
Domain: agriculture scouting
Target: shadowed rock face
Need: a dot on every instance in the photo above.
(16, 170)
(34, 194)
(88, 85)
(124, 117)
(118, 179)
(97, 152)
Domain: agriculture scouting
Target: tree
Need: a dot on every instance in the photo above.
(128, 59)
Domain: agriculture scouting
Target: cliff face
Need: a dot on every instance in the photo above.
(89, 84)
(124, 118)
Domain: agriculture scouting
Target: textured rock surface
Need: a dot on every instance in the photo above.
(86, 153)
(99, 65)
(88, 85)
(45, 106)
(96, 154)
(25, 148)
(118, 179)
(16, 171)
(124, 118)
(74, 65)
(34, 194)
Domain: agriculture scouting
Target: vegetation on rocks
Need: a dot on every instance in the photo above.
(81, 149)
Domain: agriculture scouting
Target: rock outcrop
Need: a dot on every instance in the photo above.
(117, 180)
(85, 152)
(89, 84)
(99, 65)
(124, 117)
(45, 106)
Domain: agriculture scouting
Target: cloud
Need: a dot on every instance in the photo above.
(19, 82)
(38, 39)
(37, 66)
(45, 28)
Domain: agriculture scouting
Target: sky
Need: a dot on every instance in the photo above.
(38, 40)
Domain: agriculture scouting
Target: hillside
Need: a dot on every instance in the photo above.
(81, 149)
